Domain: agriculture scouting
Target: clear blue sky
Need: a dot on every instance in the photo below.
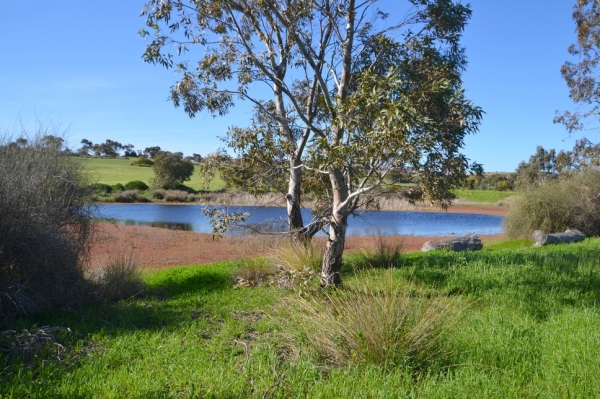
(78, 63)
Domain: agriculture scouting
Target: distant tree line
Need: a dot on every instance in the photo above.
(113, 149)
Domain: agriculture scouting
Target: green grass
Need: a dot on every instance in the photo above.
(486, 196)
(531, 329)
(119, 170)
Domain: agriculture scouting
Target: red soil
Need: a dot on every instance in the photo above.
(157, 248)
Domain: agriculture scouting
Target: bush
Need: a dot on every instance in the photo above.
(158, 194)
(175, 196)
(503, 185)
(129, 196)
(141, 161)
(136, 185)
(377, 321)
(101, 188)
(118, 187)
(556, 206)
(44, 226)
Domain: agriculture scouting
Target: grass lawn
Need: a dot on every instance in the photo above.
(120, 170)
(531, 328)
(486, 196)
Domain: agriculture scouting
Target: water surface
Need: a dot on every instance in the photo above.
(190, 218)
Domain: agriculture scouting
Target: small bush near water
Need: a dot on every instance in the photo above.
(44, 225)
(136, 185)
(129, 196)
(558, 205)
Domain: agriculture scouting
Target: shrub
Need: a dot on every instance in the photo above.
(175, 196)
(129, 196)
(141, 161)
(556, 206)
(158, 194)
(118, 187)
(101, 188)
(253, 272)
(377, 321)
(503, 185)
(44, 226)
(118, 278)
(136, 185)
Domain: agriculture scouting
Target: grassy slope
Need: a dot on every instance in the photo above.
(486, 196)
(532, 330)
(120, 170)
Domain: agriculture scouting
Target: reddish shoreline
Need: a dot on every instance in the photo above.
(153, 247)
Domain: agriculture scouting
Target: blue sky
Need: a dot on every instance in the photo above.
(78, 64)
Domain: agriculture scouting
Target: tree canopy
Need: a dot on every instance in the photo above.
(581, 77)
(344, 96)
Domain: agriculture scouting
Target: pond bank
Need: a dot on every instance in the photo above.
(154, 247)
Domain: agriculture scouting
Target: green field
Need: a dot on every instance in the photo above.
(119, 170)
(530, 329)
(486, 196)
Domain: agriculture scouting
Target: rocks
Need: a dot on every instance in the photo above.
(470, 242)
(542, 238)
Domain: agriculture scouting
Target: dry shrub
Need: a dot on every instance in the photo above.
(176, 196)
(556, 206)
(376, 321)
(380, 252)
(44, 224)
(158, 193)
(129, 196)
(117, 278)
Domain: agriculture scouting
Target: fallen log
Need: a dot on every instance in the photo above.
(470, 242)
(543, 238)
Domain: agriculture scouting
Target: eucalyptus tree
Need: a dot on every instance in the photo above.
(581, 77)
(351, 96)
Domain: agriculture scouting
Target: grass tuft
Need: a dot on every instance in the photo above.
(380, 252)
(376, 321)
(118, 278)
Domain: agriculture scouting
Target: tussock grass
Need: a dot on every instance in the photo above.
(376, 320)
(118, 277)
(380, 252)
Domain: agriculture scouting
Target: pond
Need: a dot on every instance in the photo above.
(190, 218)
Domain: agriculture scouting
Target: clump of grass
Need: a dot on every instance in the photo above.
(380, 252)
(118, 278)
(377, 321)
(129, 196)
(253, 272)
(297, 257)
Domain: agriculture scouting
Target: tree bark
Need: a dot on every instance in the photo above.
(332, 258)
(542, 238)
